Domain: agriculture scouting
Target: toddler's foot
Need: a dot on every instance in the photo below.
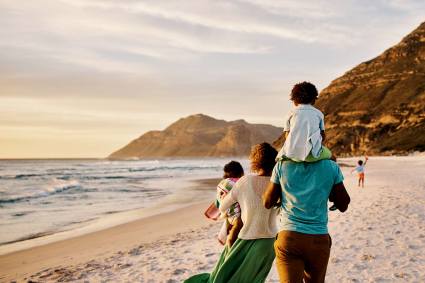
(282, 158)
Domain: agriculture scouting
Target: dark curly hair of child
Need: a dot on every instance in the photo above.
(263, 157)
(304, 93)
(233, 169)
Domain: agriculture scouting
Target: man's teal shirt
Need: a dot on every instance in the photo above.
(305, 192)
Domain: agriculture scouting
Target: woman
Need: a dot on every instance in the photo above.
(250, 258)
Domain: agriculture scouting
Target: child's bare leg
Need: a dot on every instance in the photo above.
(234, 231)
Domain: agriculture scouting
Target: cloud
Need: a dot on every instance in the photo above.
(228, 16)
(78, 65)
(136, 36)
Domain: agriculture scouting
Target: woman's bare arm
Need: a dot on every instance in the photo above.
(227, 202)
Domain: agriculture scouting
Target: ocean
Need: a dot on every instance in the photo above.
(44, 197)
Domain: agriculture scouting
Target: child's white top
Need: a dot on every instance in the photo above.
(304, 124)
(359, 168)
(258, 222)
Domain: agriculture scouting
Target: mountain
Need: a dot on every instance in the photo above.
(378, 107)
(198, 136)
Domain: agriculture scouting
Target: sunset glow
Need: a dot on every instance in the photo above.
(83, 78)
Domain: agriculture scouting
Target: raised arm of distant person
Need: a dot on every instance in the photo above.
(365, 160)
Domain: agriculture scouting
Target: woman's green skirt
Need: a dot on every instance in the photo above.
(248, 261)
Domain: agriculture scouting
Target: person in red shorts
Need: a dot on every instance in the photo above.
(360, 170)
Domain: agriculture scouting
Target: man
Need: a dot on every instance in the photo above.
(302, 190)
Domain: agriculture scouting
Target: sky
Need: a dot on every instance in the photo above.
(82, 78)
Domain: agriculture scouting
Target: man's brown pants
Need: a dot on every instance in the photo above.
(302, 256)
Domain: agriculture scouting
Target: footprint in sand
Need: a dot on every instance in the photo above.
(126, 265)
(179, 271)
(359, 266)
(367, 257)
(380, 279)
(394, 263)
(203, 267)
(401, 275)
(335, 260)
(135, 252)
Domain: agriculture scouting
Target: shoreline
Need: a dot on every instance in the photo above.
(106, 221)
(18, 265)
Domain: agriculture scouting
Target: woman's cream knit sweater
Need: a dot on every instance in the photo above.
(258, 222)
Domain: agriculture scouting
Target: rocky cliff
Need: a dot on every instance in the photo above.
(378, 107)
(197, 136)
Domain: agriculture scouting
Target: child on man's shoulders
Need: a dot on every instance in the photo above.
(304, 129)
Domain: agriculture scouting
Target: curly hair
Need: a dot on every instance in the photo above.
(262, 157)
(233, 169)
(304, 93)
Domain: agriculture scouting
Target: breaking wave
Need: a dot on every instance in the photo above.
(57, 186)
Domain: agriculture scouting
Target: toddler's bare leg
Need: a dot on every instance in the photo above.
(234, 231)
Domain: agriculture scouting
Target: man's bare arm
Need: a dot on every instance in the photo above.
(339, 196)
(272, 195)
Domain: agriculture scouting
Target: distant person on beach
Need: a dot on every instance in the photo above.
(302, 190)
(232, 217)
(360, 170)
(250, 258)
(304, 127)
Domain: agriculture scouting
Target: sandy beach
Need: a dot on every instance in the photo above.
(381, 238)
